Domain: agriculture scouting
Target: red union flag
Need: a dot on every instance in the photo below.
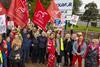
(41, 16)
(18, 12)
(53, 11)
(2, 9)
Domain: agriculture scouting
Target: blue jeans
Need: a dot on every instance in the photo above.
(1, 65)
(26, 54)
(5, 62)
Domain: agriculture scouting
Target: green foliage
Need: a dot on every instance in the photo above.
(6, 3)
(76, 5)
(91, 12)
(32, 5)
(83, 29)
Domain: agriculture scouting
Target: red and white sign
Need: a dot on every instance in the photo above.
(54, 11)
(18, 12)
(41, 16)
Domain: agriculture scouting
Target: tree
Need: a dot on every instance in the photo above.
(6, 3)
(91, 13)
(76, 5)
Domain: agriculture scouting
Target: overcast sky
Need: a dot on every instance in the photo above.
(88, 1)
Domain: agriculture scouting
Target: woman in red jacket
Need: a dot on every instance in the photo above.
(51, 51)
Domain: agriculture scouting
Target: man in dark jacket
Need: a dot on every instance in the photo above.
(26, 47)
(34, 49)
(68, 46)
(16, 57)
(42, 39)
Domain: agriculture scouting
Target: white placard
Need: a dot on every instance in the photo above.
(65, 6)
(2, 24)
(10, 24)
(74, 19)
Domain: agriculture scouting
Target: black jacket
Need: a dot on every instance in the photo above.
(68, 46)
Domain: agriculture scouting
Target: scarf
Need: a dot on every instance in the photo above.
(79, 46)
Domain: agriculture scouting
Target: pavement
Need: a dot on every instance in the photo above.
(30, 64)
(35, 65)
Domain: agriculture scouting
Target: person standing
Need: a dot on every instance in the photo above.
(51, 50)
(42, 40)
(34, 48)
(92, 54)
(68, 45)
(27, 42)
(9, 50)
(16, 54)
(16, 57)
(79, 48)
(58, 50)
(3, 47)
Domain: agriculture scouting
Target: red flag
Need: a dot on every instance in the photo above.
(2, 9)
(53, 11)
(18, 12)
(41, 16)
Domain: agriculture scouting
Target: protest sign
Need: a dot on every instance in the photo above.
(2, 24)
(59, 23)
(65, 6)
(10, 24)
(74, 19)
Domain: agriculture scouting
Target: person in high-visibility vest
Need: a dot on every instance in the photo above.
(1, 59)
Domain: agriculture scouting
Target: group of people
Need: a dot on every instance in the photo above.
(73, 47)
(18, 46)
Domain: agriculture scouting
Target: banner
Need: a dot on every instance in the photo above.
(2, 24)
(2, 9)
(53, 11)
(41, 16)
(65, 6)
(18, 12)
(74, 19)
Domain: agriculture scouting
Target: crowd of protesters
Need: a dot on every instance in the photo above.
(18, 46)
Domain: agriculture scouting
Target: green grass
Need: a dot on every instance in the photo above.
(83, 29)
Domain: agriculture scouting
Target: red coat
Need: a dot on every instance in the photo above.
(51, 50)
(51, 46)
